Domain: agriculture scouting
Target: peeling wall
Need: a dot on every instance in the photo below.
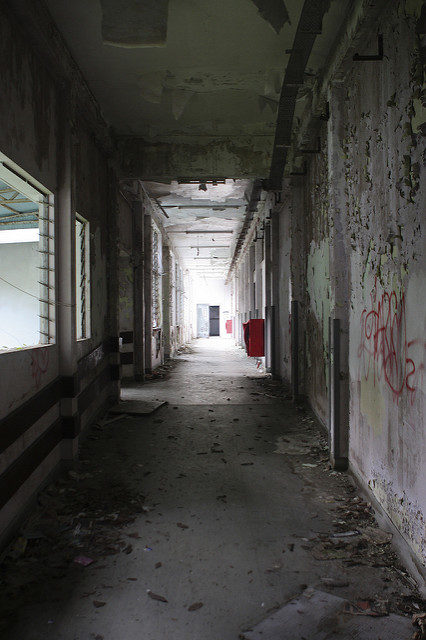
(357, 255)
(317, 293)
(385, 195)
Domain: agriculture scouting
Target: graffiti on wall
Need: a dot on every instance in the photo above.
(39, 364)
(385, 349)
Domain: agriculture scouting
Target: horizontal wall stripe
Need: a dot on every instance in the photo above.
(21, 444)
(115, 372)
(126, 336)
(70, 386)
(87, 365)
(91, 391)
(16, 423)
(71, 426)
(126, 357)
(114, 344)
(13, 478)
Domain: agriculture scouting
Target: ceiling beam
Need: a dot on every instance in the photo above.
(310, 25)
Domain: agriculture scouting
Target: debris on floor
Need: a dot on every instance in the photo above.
(419, 622)
(317, 615)
(124, 490)
(78, 521)
(136, 407)
(156, 596)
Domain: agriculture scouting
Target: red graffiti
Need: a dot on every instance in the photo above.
(384, 347)
(39, 364)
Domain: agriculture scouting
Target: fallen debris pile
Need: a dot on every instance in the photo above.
(318, 615)
(78, 521)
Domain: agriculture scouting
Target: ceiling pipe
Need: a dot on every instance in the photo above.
(251, 208)
(310, 25)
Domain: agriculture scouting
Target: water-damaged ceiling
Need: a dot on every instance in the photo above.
(193, 89)
(202, 221)
(192, 85)
(203, 67)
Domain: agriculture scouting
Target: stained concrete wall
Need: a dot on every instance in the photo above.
(356, 255)
(385, 186)
(49, 393)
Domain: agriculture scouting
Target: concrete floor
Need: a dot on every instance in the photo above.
(237, 502)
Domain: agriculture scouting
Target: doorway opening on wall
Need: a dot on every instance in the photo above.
(208, 320)
(27, 265)
(214, 320)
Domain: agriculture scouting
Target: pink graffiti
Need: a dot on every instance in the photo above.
(39, 364)
(384, 346)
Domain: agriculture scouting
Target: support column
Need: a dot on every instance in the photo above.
(339, 289)
(65, 281)
(269, 308)
(167, 294)
(138, 291)
(298, 291)
(113, 284)
(148, 289)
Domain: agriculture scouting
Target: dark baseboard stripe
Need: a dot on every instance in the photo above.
(21, 419)
(70, 386)
(71, 426)
(15, 476)
(114, 344)
(93, 360)
(126, 357)
(94, 389)
(115, 372)
(127, 337)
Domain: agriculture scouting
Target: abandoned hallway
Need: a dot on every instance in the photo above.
(212, 319)
(222, 497)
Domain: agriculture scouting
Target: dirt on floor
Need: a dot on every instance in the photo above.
(84, 515)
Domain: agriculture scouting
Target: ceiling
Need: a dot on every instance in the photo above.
(218, 68)
(202, 223)
(191, 89)
(16, 210)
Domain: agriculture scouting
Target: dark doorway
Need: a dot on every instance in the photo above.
(214, 321)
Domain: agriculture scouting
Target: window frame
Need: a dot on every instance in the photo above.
(83, 315)
(26, 185)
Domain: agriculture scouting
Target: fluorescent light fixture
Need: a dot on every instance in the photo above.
(10, 236)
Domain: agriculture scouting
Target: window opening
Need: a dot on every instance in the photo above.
(156, 278)
(27, 261)
(82, 277)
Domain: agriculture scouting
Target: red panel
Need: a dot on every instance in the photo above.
(254, 337)
(228, 326)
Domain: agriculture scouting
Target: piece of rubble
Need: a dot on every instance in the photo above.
(136, 407)
(320, 616)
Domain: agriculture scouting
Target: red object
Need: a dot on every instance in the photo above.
(254, 337)
(228, 326)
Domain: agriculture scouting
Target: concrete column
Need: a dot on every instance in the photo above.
(281, 223)
(298, 283)
(269, 311)
(167, 293)
(275, 301)
(148, 289)
(65, 281)
(113, 282)
(339, 288)
(138, 291)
